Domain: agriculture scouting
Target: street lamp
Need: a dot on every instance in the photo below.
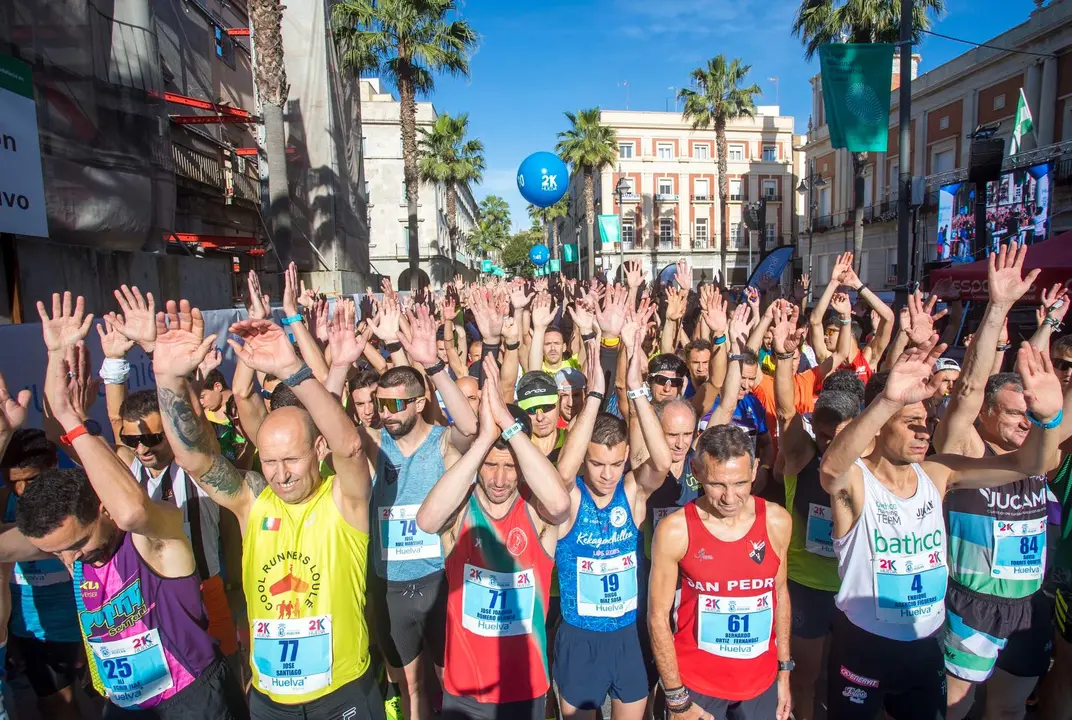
(809, 184)
(620, 189)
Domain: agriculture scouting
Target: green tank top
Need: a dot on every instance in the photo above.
(1061, 487)
(811, 555)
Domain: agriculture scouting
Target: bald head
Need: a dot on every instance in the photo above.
(290, 450)
(289, 425)
(471, 390)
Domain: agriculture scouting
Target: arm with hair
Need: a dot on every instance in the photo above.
(441, 505)
(668, 547)
(815, 321)
(900, 342)
(249, 403)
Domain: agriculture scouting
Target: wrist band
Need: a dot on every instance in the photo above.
(438, 367)
(291, 319)
(1037, 421)
(641, 392)
(1053, 322)
(785, 356)
(393, 347)
(512, 346)
(611, 342)
(511, 431)
(114, 371)
(303, 374)
(588, 336)
(843, 321)
(595, 394)
(678, 709)
(720, 339)
(1003, 348)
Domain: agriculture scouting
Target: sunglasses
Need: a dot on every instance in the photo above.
(147, 439)
(545, 409)
(1062, 365)
(664, 381)
(394, 405)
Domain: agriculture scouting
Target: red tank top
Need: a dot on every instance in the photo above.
(725, 639)
(499, 577)
(859, 366)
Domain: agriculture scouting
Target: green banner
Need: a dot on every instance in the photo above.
(556, 265)
(16, 76)
(486, 266)
(857, 78)
(610, 229)
(569, 252)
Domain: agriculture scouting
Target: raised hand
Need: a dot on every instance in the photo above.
(488, 315)
(633, 337)
(593, 367)
(921, 317)
(634, 274)
(582, 310)
(519, 298)
(612, 316)
(1054, 304)
(909, 381)
(66, 326)
(542, 311)
(114, 344)
(501, 414)
(787, 336)
(684, 275)
(307, 297)
(385, 321)
(800, 290)
(751, 296)
(346, 347)
(843, 263)
(137, 319)
(259, 303)
(740, 327)
(419, 340)
(81, 385)
(13, 410)
(713, 308)
(265, 347)
(1004, 274)
(676, 301)
(850, 279)
(290, 290)
(841, 305)
(1042, 388)
(321, 319)
(213, 359)
(181, 344)
(511, 332)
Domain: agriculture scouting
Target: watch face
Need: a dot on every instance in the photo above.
(93, 428)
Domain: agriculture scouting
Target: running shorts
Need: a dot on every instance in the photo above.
(1028, 651)
(589, 665)
(977, 628)
(813, 611)
(762, 707)
(50, 666)
(467, 708)
(356, 700)
(867, 673)
(409, 617)
(216, 693)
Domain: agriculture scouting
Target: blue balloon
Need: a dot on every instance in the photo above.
(539, 254)
(542, 179)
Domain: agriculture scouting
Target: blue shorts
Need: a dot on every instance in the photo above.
(589, 665)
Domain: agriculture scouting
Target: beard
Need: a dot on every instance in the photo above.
(105, 553)
(401, 430)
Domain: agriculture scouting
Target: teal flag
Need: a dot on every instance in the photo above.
(556, 266)
(569, 252)
(486, 266)
(857, 78)
(610, 229)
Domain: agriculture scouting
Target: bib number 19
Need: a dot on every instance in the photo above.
(610, 583)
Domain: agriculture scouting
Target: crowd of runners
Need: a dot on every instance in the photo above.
(525, 499)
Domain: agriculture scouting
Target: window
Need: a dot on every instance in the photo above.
(770, 189)
(770, 153)
(735, 189)
(892, 180)
(666, 233)
(364, 146)
(368, 195)
(891, 263)
(403, 240)
(665, 151)
(736, 152)
(772, 233)
(625, 150)
(824, 270)
(630, 186)
(942, 161)
(943, 123)
(628, 234)
(703, 189)
(824, 201)
(735, 234)
(701, 233)
(999, 101)
(701, 151)
(865, 263)
(666, 186)
(225, 47)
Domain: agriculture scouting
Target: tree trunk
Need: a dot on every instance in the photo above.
(278, 187)
(858, 160)
(590, 220)
(554, 238)
(408, 116)
(452, 224)
(723, 192)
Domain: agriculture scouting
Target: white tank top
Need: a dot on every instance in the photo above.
(892, 562)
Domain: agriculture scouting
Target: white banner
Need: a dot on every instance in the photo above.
(22, 189)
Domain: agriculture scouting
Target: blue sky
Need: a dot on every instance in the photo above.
(538, 58)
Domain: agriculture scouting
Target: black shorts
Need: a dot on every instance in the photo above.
(50, 666)
(216, 693)
(466, 708)
(1027, 654)
(590, 665)
(356, 700)
(409, 617)
(868, 672)
(813, 611)
(762, 707)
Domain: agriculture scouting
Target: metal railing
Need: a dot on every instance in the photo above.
(666, 197)
(735, 196)
(196, 165)
(246, 187)
(772, 197)
(702, 197)
(630, 197)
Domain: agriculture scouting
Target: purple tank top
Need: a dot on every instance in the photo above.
(148, 634)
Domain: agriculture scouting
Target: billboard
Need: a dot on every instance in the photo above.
(1017, 207)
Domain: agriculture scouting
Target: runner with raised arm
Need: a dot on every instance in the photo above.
(890, 539)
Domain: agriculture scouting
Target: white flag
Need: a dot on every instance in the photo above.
(1022, 125)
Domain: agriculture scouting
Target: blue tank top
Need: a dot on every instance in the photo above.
(42, 597)
(401, 551)
(597, 564)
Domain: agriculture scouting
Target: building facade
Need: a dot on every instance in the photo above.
(385, 189)
(980, 87)
(671, 207)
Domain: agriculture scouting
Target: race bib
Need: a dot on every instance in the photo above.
(498, 604)
(134, 669)
(1019, 549)
(659, 513)
(737, 627)
(909, 587)
(607, 587)
(819, 532)
(402, 539)
(31, 573)
(293, 657)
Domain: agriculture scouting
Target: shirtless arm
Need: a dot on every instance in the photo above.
(667, 549)
(779, 530)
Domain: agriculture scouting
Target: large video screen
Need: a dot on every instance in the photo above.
(1017, 207)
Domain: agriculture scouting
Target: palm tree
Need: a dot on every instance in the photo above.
(559, 210)
(487, 238)
(539, 216)
(407, 42)
(819, 22)
(588, 146)
(270, 74)
(496, 210)
(447, 157)
(717, 99)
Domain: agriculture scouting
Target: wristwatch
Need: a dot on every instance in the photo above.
(89, 427)
(786, 665)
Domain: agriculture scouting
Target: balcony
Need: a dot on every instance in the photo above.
(210, 169)
(666, 197)
(735, 197)
(772, 197)
(630, 197)
(702, 198)
(196, 165)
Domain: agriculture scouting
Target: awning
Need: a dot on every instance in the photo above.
(968, 281)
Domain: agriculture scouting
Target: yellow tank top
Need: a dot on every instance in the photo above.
(303, 572)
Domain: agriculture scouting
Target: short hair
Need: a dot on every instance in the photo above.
(56, 495)
(405, 376)
(609, 430)
(698, 344)
(554, 329)
(364, 379)
(855, 328)
(1062, 344)
(875, 386)
(215, 376)
(30, 449)
(138, 405)
(998, 382)
(725, 442)
(835, 407)
(668, 362)
(749, 357)
(283, 396)
(662, 406)
(520, 416)
(845, 381)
